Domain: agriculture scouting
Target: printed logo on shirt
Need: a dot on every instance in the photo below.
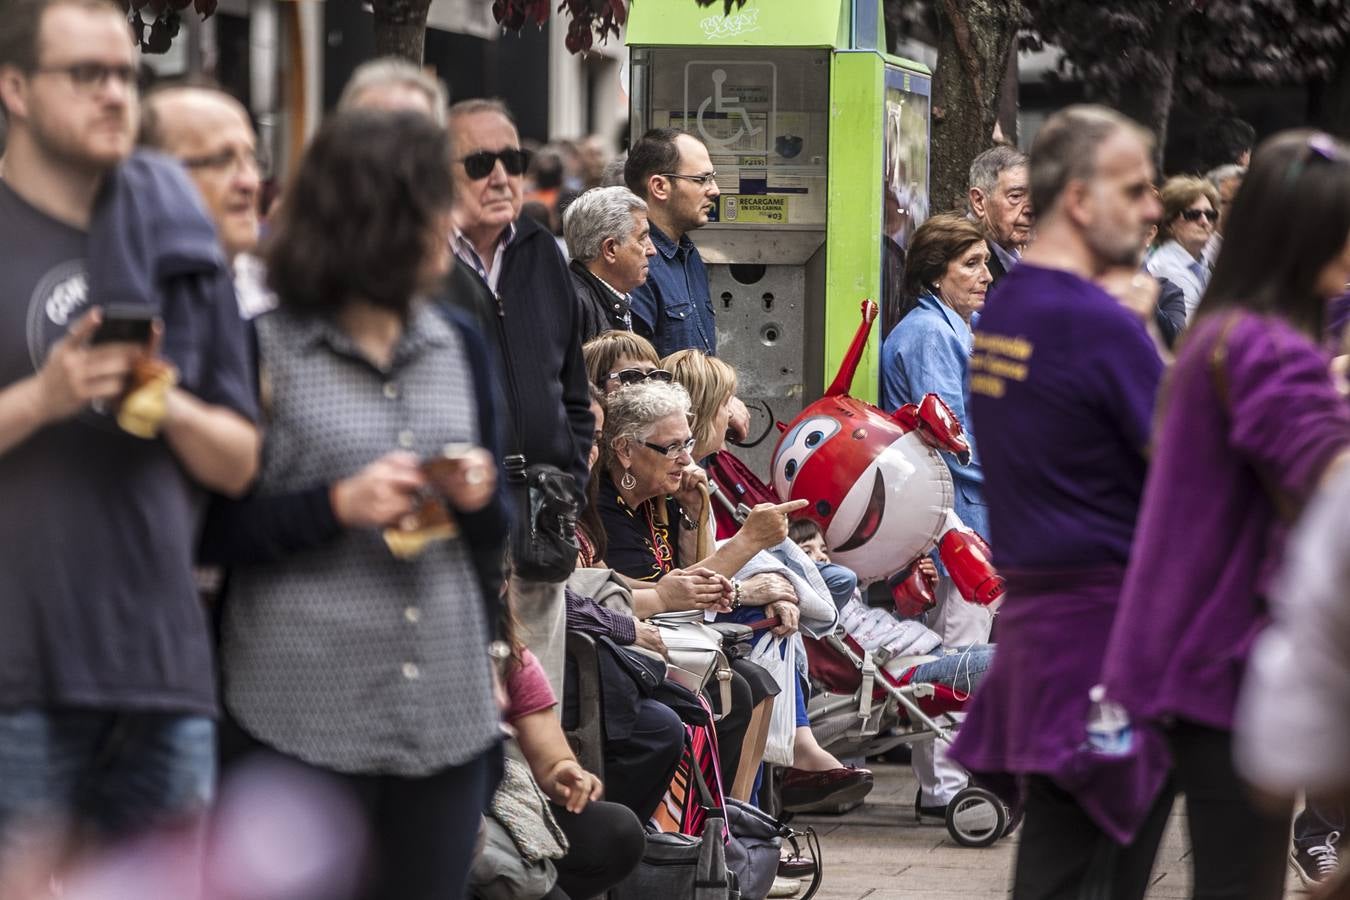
(60, 298)
(996, 360)
(58, 301)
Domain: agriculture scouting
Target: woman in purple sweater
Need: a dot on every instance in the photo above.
(1249, 425)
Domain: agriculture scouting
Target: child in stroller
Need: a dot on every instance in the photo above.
(877, 656)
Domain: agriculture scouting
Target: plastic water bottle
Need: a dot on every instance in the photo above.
(1108, 725)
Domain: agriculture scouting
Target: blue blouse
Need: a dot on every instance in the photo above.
(929, 353)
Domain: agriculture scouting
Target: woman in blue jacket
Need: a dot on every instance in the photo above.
(928, 352)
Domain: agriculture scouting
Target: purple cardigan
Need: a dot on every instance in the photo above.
(1227, 474)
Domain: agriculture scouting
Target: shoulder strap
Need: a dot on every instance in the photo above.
(514, 459)
(1287, 507)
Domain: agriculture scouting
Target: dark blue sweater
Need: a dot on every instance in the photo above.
(539, 342)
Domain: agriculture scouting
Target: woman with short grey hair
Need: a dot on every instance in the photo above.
(608, 239)
(648, 498)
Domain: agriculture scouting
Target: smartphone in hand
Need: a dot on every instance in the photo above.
(125, 324)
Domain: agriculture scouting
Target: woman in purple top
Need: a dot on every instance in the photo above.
(1249, 427)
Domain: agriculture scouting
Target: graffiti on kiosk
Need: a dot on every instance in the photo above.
(738, 23)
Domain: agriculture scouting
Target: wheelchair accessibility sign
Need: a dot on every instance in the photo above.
(723, 116)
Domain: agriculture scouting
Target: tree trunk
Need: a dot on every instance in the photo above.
(1148, 99)
(1010, 98)
(401, 28)
(974, 41)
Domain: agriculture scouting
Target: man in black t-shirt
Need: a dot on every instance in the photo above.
(107, 694)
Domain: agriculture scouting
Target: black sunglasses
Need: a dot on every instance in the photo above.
(1194, 215)
(633, 376)
(480, 165)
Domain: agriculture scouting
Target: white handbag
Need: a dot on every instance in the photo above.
(696, 656)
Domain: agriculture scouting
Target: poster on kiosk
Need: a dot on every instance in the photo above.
(820, 142)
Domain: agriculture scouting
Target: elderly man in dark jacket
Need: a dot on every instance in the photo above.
(538, 333)
(609, 241)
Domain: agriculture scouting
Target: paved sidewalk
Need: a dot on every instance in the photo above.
(878, 852)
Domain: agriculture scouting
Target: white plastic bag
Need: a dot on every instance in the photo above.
(778, 655)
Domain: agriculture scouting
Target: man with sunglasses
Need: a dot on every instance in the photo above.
(107, 692)
(671, 170)
(537, 331)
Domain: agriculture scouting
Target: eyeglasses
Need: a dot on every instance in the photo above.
(480, 165)
(671, 451)
(1320, 145)
(1194, 215)
(633, 376)
(88, 77)
(228, 162)
(700, 180)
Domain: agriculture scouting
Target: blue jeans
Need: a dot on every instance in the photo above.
(119, 773)
(961, 668)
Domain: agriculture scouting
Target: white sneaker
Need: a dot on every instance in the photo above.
(784, 887)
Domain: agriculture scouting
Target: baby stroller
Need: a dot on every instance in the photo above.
(861, 711)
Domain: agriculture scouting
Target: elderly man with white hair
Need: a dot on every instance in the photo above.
(609, 241)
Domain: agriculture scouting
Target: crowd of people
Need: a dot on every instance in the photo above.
(328, 492)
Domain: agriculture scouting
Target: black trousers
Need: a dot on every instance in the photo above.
(422, 832)
(1238, 850)
(605, 843)
(638, 768)
(1063, 855)
(746, 694)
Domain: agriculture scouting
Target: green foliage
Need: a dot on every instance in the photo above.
(1112, 47)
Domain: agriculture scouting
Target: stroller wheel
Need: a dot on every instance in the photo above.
(976, 818)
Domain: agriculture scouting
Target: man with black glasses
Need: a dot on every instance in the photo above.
(537, 331)
(672, 171)
(125, 394)
(209, 132)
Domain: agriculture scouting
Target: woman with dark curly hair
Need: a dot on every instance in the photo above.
(364, 655)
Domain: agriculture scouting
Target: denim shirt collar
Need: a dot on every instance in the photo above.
(667, 247)
(929, 300)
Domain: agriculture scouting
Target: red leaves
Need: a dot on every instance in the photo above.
(589, 18)
(161, 18)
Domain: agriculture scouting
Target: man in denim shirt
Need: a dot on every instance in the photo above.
(672, 171)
